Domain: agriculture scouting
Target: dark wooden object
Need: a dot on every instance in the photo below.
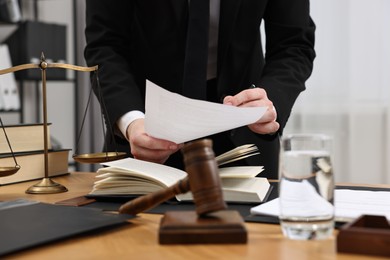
(211, 223)
(368, 235)
(186, 227)
(143, 203)
(202, 170)
(203, 178)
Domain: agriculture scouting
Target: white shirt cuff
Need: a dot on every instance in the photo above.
(125, 120)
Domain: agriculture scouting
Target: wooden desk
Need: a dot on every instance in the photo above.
(138, 240)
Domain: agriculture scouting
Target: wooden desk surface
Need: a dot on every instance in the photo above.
(139, 240)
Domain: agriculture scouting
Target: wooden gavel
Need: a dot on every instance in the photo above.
(203, 181)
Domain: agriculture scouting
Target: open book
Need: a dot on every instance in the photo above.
(136, 177)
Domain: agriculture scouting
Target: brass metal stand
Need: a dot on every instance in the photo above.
(8, 170)
(46, 185)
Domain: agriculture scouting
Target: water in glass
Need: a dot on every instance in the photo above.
(306, 188)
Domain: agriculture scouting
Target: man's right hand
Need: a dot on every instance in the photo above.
(147, 148)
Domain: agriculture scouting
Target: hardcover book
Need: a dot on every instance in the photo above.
(24, 138)
(32, 165)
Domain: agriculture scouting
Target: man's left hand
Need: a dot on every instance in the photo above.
(255, 97)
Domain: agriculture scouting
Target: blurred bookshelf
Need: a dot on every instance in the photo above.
(43, 26)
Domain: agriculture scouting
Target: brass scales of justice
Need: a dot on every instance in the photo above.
(46, 185)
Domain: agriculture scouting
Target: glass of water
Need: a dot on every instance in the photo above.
(306, 187)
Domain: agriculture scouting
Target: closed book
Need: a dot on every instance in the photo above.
(32, 165)
(24, 138)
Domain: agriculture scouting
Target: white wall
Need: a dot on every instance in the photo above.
(347, 96)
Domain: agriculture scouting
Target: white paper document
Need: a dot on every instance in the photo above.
(9, 94)
(349, 204)
(179, 119)
(303, 200)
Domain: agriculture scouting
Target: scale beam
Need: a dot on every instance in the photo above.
(47, 185)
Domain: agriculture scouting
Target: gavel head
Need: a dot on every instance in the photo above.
(202, 170)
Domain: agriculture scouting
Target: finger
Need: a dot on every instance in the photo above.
(158, 156)
(247, 96)
(258, 103)
(138, 137)
(265, 128)
(158, 144)
(146, 143)
(228, 100)
(147, 148)
(269, 116)
(152, 152)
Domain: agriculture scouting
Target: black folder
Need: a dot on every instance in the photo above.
(113, 203)
(32, 224)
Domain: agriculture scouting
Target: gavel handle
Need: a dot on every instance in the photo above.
(151, 200)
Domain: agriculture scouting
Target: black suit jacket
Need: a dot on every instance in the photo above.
(134, 40)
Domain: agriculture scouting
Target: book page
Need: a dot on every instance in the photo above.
(244, 190)
(125, 186)
(154, 171)
(240, 171)
(237, 153)
(179, 119)
(143, 169)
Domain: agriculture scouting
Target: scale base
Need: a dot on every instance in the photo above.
(46, 186)
(186, 227)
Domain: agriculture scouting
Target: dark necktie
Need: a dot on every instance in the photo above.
(195, 64)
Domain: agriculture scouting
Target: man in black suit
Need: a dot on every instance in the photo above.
(135, 40)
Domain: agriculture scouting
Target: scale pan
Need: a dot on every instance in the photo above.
(99, 157)
(6, 171)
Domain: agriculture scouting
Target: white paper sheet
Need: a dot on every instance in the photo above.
(349, 204)
(303, 200)
(9, 95)
(179, 119)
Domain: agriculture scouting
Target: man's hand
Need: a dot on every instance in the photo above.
(147, 148)
(252, 98)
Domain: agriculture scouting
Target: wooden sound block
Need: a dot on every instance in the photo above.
(186, 227)
(368, 235)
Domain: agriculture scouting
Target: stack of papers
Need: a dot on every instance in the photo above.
(349, 205)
